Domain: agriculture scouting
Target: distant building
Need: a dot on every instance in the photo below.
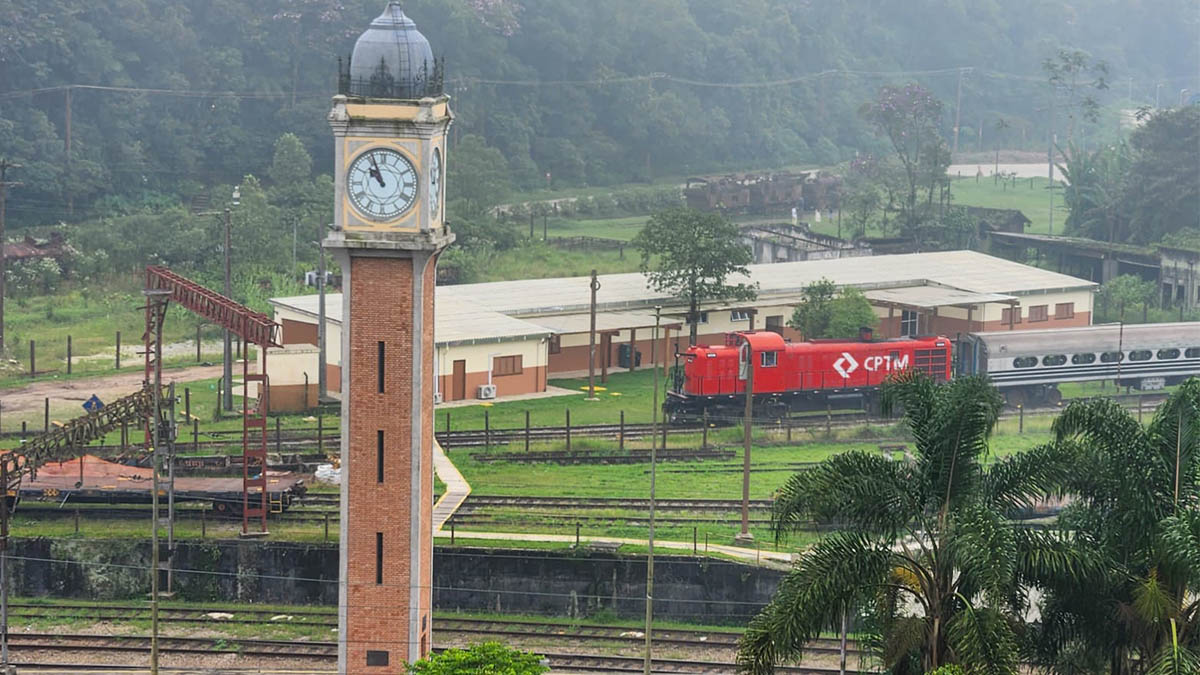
(517, 335)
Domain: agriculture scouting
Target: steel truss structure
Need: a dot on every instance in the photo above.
(164, 286)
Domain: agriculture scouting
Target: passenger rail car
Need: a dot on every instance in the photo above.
(1028, 365)
(796, 376)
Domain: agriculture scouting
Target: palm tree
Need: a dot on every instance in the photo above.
(925, 548)
(1136, 511)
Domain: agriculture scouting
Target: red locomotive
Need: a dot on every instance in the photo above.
(797, 376)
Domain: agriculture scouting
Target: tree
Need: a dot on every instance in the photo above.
(478, 177)
(1094, 192)
(1126, 291)
(1136, 512)
(825, 313)
(910, 117)
(488, 658)
(1078, 77)
(691, 254)
(291, 164)
(1161, 192)
(924, 548)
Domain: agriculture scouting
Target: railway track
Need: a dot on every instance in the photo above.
(540, 633)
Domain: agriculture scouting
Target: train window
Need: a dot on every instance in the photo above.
(769, 359)
(1112, 357)
(1082, 359)
(1167, 354)
(1192, 353)
(1054, 360)
(1140, 355)
(1025, 362)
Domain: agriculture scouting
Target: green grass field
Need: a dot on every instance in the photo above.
(1029, 196)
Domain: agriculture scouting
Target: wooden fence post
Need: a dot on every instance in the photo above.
(119, 351)
(568, 429)
(68, 354)
(526, 431)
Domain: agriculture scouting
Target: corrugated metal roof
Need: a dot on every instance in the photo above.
(495, 310)
(928, 297)
(456, 320)
(965, 270)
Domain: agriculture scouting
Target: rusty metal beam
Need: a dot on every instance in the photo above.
(253, 327)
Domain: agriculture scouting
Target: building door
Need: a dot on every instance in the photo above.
(775, 324)
(458, 381)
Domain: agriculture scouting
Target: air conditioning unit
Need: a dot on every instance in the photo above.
(437, 397)
(486, 392)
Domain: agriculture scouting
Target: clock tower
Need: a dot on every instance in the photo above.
(389, 122)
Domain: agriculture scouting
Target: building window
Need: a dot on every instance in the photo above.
(703, 317)
(379, 456)
(739, 315)
(1010, 315)
(908, 323)
(769, 359)
(1039, 312)
(555, 344)
(381, 366)
(378, 558)
(506, 365)
(1064, 310)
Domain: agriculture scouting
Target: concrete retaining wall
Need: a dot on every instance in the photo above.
(511, 581)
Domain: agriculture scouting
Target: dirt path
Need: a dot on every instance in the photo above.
(66, 396)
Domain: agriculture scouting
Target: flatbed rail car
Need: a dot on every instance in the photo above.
(1028, 365)
(93, 480)
(797, 376)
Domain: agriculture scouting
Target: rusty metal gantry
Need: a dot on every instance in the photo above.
(164, 286)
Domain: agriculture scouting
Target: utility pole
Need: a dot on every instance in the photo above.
(1050, 157)
(227, 373)
(67, 153)
(957, 109)
(5, 165)
(747, 427)
(322, 385)
(595, 286)
(653, 464)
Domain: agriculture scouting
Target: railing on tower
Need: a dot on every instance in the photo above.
(426, 81)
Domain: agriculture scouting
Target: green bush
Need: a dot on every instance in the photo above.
(948, 669)
(488, 658)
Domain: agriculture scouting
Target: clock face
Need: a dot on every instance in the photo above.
(382, 184)
(435, 183)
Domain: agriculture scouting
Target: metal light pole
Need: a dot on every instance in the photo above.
(744, 537)
(653, 465)
(595, 286)
(227, 361)
(322, 385)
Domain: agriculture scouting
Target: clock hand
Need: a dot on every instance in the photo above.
(375, 170)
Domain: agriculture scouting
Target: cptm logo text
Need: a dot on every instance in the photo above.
(847, 364)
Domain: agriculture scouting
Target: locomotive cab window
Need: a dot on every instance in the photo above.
(1140, 355)
(1083, 359)
(1025, 362)
(1112, 357)
(1054, 360)
(769, 359)
(1167, 354)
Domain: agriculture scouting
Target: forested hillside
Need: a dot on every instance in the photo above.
(176, 96)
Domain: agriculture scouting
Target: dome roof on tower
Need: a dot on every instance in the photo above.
(392, 59)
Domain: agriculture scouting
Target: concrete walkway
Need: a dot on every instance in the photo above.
(766, 558)
(551, 392)
(457, 489)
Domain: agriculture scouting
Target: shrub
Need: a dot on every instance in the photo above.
(488, 658)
